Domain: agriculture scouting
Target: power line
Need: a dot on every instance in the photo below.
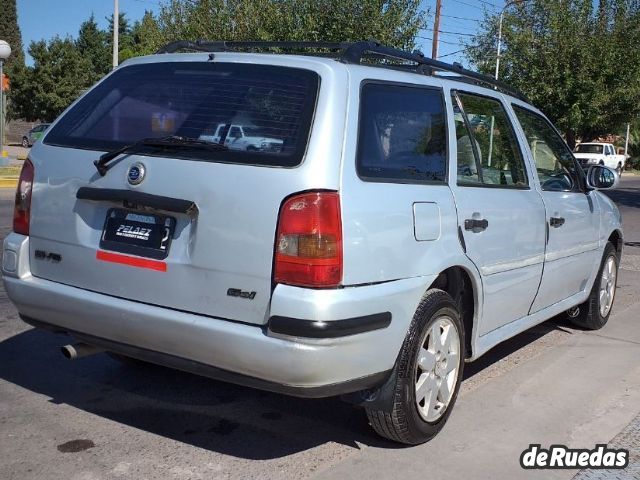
(457, 27)
(488, 3)
(441, 41)
(462, 18)
(458, 33)
(453, 53)
(469, 4)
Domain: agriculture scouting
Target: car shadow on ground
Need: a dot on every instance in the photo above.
(208, 414)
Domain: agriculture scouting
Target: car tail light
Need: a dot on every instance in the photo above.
(22, 210)
(308, 250)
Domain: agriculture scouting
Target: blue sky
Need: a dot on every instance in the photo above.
(44, 19)
(40, 19)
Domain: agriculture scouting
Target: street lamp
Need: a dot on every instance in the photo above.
(5, 51)
(506, 5)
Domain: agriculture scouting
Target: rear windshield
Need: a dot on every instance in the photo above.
(589, 148)
(261, 113)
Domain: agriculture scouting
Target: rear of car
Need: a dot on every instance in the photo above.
(226, 262)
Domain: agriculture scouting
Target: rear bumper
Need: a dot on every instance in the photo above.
(253, 355)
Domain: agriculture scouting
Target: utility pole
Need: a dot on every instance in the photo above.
(626, 142)
(436, 30)
(116, 27)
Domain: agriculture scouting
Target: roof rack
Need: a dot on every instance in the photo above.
(352, 53)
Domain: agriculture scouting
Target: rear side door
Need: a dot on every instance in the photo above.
(500, 214)
(572, 215)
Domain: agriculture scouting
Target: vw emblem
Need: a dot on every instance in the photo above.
(136, 173)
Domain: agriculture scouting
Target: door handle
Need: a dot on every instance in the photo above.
(475, 225)
(556, 222)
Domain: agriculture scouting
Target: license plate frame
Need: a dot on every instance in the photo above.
(137, 233)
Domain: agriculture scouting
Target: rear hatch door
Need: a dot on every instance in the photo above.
(217, 207)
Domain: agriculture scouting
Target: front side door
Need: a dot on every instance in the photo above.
(500, 216)
(573, 218)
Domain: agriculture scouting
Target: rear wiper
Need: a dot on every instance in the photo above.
(172, 141)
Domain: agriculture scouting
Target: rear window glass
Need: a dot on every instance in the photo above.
(261, 113)
(402, 134)
(589, 148)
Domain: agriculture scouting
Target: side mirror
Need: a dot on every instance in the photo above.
(600, 177)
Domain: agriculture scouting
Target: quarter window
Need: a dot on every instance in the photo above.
(554, 161)
(488, 150)
(402, 134)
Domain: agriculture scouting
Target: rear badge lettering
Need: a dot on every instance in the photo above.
(53, 257)
(236, 292)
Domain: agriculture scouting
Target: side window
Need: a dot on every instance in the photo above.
(235, 132)
(468, 149)
(554, 161)
(402, 134)
(483, 130)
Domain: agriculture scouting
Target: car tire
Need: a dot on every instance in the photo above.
(594, 314)
(619, 169)
(25, 142)
(432, 357)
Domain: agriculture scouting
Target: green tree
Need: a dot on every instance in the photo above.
(10, 32)
(14, 67)
(125, 37)
(147, 37)
(93, 44)
(394, 22)
(58, 76)
(571, 60)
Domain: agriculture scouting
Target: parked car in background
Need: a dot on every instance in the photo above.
(239, 137)
(408, 223)
(596, 153)
(34, 135)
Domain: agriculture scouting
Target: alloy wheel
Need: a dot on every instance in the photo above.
(437, 369)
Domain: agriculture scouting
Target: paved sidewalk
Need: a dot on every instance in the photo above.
(579, 393)
(629, 438)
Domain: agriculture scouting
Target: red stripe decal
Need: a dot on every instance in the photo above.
(131, 261)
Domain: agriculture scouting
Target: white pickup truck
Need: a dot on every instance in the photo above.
(241, 137)
(592, 153)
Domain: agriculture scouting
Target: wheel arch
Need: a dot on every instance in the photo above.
(465, 288)
(615, 237)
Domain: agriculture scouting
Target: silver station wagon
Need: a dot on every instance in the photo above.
(405, 216)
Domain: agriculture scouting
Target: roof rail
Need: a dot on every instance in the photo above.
(352, 53)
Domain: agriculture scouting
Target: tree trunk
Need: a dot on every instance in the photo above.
(571, 138)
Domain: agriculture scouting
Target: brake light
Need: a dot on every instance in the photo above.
(308, 250)
(22, 210)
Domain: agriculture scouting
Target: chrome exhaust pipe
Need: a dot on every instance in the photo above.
(79, 350)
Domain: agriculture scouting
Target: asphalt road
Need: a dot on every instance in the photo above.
(99, 419)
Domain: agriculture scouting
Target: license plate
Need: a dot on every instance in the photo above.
(135, 233)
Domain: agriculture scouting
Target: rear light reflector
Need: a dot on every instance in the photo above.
(22, 210)
(308, 250)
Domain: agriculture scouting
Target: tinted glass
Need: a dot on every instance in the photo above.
(402, 134)
(554, 160)
(487, 129)
(215, 102)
